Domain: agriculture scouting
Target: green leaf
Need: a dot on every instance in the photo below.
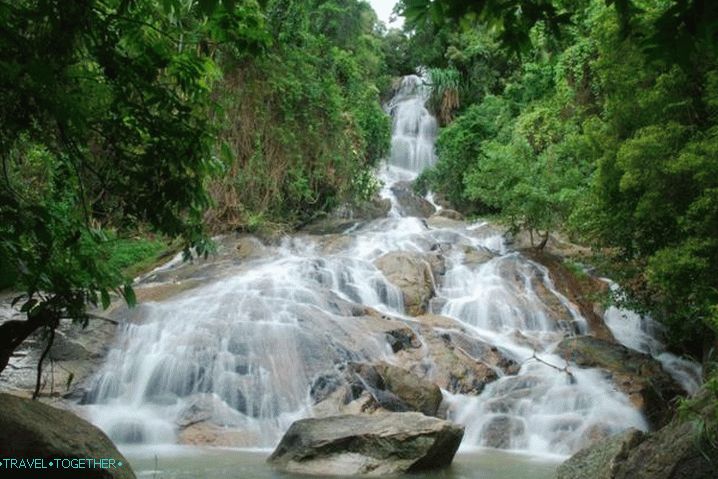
(129, 294)
(105, 295)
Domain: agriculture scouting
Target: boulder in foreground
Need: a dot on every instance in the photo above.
(32, 430)
(372, 445)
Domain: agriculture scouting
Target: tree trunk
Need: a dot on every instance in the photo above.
(543, 242)
(13, 333)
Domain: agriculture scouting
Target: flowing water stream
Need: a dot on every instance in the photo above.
(255, 336)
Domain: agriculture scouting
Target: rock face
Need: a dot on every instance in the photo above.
(638, 375)
(600, 460)
(410, 203)
(378, 387)
(396, 389)
(453, 360)
(76, 353)
(372, 445)
(451, 214)
(676, 451)
(412, 273)
(580, 290)
(347, 216)
(30, 429)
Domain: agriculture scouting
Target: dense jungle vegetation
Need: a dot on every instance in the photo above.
(592, 117)
(126, 124)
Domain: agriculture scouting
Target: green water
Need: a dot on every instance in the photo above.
(214, 463)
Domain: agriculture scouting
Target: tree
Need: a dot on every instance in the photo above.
(104, 119)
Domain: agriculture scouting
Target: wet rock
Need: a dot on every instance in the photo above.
(679, 450)
(450, 214)
(248, 248)
(440, 222)
(372, 445)
(330, 225)
(397, 389)
(410, 203)
(205, 407)
(600, 460)
(498, 431)
(582, 290)
(412, 274)
(209, 434)
(324, 386)
(402, 339)
(30, 429)
(75, 355)
(638, 375)
(477, 256)
(333, 244)
(454, 360)
(557, 244)
(347, 216)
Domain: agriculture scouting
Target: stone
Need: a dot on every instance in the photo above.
(408, 391)
(642, 378)
(412, 273)
(497, 433)
(599, 461)
(410, 203)
(347, 216)
(450, 214)
(75, 355)
(31, 429)
(475, 256)
(371, 445)
(584, 291)
(454, 360)
(676, 451)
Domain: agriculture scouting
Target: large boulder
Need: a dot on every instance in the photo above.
(33, 430)
(410, 203)
(396, 389)
(638, 375)
(372, 445)
(413, 274)
(369, 388)
(453, 359)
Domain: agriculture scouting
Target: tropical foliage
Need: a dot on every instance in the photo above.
(605, 127)
(121, 118)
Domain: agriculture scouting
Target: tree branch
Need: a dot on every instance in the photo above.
(50, 340)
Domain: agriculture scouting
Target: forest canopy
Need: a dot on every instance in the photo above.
(596, 118)
(127, 119)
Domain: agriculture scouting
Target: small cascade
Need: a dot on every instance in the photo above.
(547, 407)
(642, 334)
(244, 350)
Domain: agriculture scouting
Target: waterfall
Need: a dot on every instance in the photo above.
(414, 128)
(245, 348)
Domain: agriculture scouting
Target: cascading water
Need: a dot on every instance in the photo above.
(414, 128)
(243, 350)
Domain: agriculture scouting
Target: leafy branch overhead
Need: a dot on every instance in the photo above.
(105, 121)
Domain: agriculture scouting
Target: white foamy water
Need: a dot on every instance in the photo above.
(244, 349)
(642, 334)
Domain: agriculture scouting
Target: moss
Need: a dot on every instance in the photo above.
(134, 256)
